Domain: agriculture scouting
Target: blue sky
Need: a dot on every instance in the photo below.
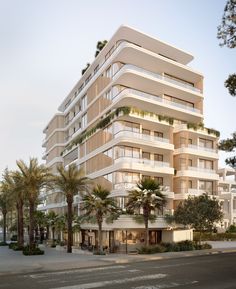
(45, 44)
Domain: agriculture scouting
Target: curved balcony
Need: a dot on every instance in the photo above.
(144, 140)
(143, 165)
(197, 172)
(197, 150)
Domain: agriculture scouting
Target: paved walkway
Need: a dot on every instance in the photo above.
(14, 262)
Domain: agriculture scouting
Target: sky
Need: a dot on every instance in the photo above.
(45, 44)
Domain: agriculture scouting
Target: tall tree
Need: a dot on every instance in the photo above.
(200, 213)
(70, 182)
(16, 187)
(4, 207)
(35, 177)
(229, 145)
(99, 204)
(145, 200)
(227, 28)
(227, 35)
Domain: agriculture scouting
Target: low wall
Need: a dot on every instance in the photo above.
(170, 236)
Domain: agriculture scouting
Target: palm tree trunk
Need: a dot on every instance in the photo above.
(69, 226)
(31, 225)
(53, 233)
(20, 222)
(100, 245)
(146, 231)
(4, 213)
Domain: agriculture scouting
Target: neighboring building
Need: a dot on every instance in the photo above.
(227, 195)
(137, 112)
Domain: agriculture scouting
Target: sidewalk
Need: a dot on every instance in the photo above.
(12, 262)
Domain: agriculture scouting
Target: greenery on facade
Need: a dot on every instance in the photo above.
(106, 120)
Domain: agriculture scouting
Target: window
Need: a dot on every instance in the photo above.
(109, 72)
(181, 102)
(125, 151)
(108, 94)
(84, 102)
(159, 180)
(84, 120)
(205, 143)
(158, 158)
(206, 186)
(205, 164)
(158, 134)
(190, 184)
(146, 131)
(146, 155)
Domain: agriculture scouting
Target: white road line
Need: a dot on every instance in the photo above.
(173, 265)
(166, 286)
(114, 282)
(89, 270)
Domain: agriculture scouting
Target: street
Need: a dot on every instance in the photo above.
(205, 272)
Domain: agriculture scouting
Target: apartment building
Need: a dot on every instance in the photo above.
(227, 195)
(137, 112)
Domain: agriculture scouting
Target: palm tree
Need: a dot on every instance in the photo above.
(70, 182)
(51, 222)
(4, 209)
(14, 181)
(40, 224)
(35, 177)
(146, 198)
(98, 203)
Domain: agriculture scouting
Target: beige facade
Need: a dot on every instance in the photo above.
(139, 107)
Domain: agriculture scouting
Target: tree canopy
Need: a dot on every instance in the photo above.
(227, 35)
(227, 28)
(200, 213)
(229, 145)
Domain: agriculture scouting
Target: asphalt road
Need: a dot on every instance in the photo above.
(205, 272)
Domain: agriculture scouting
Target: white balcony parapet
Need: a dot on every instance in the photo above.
(201, 148)
(203, 170)
(162, 77)
(143, 161)
(156, 98)
(141, 136)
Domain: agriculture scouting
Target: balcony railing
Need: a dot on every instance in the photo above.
(141, 136)
(202, 170)
(199, 148)
(156, 98)
(147, 162)
(159, 76)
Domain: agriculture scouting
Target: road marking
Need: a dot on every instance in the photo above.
(166, 286)
(174, 265)
(89, 270)
(114, 282)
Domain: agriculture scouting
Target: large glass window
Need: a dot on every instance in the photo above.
(205, 143)
(158, 157)
(205, 164)
(206, 186)
(158, 134)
